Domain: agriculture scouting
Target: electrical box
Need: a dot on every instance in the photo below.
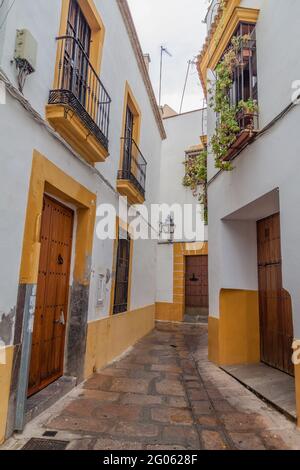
(26, 49)
(100, 290)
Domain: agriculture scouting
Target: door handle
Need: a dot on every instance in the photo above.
(61, 320)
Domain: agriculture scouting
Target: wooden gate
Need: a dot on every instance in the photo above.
(48, 341)
(196, 285)
(276, 323)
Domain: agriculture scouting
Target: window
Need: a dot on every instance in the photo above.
(132, 171)
(77, 52)
(128, 134)
(77, 85)
(245, 74)
(122, 274)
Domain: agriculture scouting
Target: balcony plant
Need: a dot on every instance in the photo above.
(228, 126)
(246, 114)
(248, 107)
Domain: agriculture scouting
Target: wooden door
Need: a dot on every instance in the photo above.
(196, 285)
(49, 329)
(276, 323)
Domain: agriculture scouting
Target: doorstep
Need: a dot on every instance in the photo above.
(42, 400)
(270, 384)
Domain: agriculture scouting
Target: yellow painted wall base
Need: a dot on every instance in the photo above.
(213, 339)
(5, 379)
(234, 338)
(108, 338)
(297, 384)
(168, 312)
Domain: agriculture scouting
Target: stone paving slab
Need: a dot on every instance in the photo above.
(272, 384)
(164, 395)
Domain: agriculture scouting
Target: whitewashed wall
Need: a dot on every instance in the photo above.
(269, 165)
(183, 131)
(20, 134)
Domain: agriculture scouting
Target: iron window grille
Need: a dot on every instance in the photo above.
(122, 276)
(245, 80)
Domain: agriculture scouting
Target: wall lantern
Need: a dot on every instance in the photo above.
(167, 229)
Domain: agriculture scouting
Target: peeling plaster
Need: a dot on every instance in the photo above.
(6, 326)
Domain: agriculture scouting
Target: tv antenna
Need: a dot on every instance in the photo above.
(163, 50)
(190, 63)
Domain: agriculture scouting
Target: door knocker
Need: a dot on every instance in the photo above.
(60, 260)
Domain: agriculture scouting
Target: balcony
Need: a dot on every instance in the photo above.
(79, 105)
(131, 180)
(248, 124)
(243, 93)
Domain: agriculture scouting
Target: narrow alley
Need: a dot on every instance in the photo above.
(162, 395)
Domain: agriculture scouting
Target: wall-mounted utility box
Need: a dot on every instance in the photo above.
(26, 49)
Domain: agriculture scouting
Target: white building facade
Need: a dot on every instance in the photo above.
(71, 141)
(184, 251)
(253, 209)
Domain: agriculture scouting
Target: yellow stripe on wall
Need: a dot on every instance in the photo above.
(234, 338)
(5, 380)
(110, 337)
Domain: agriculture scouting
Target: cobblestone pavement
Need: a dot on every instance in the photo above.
(164, 395)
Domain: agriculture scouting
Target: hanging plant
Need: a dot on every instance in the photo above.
(227, 127)
(196, 176)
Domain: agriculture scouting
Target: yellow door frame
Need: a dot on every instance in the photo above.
(48, 178)
(181, 250)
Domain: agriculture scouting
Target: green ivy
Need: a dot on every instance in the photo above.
(196, 175)
(228, 127)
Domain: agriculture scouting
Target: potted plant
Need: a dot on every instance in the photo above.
(247, 111)
(248, 107)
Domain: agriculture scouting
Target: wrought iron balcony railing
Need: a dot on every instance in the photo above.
(243, 94)
(78, 86)
(134, 165)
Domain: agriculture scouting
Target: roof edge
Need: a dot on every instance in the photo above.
(185, 113)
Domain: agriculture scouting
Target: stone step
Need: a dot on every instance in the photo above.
(41, 401)
(196, 318)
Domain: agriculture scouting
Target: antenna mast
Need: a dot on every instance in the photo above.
(163, 50)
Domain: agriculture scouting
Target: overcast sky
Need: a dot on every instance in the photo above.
(177, 25)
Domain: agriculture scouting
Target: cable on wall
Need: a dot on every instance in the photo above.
(17, 95)
(271, 124)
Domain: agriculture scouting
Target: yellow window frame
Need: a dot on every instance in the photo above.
(96, 24)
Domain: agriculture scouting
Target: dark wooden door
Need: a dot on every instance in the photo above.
(276, 323)
(196, 285)
(49, 329)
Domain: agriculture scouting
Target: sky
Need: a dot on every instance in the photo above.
(178, 26)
